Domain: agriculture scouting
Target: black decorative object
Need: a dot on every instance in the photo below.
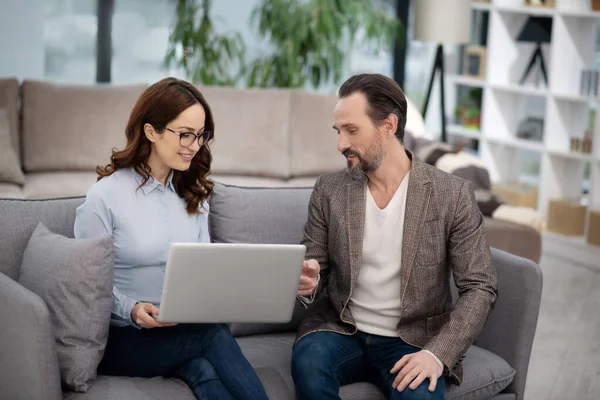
(537, 30)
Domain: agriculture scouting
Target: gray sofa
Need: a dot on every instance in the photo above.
(495, 367)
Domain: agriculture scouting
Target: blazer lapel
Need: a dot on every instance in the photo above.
(355, 215)
(417, 203)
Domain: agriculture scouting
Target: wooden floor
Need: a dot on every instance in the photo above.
(565, 362)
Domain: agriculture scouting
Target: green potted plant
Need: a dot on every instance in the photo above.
(468, 111)
(207, 57)
(310, 39)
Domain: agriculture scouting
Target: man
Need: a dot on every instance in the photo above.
(382, 239)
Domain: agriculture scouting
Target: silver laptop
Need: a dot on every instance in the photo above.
(223, 282)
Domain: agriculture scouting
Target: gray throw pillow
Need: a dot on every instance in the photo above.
(74, 277)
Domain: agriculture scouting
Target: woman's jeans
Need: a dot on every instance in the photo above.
(205, 356)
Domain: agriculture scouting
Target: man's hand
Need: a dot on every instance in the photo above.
(414, 368)
(143, 314)
(308, 279)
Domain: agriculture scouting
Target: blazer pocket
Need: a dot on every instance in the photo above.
(432, 243)
(435, 324)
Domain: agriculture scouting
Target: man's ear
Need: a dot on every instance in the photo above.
(150, 132)
(391, 124)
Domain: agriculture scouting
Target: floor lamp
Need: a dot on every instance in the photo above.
(442, 22)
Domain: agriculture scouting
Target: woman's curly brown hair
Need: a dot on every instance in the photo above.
(160, 104)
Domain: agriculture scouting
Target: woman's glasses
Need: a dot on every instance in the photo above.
(186, 139)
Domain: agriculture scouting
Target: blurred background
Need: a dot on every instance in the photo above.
(512, 83)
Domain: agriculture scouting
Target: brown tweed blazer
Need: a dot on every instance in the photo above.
(443, 237)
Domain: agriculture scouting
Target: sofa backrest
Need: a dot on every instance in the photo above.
(18, 220)
(273, 133)
(73, 127)
(267, 133)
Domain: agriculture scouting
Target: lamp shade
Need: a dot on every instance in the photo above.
(536, 30)
(443, 21)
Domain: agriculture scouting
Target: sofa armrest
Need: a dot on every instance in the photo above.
(29, 364)
(510, 328)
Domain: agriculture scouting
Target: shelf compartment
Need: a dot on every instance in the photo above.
(565, 120)
(506, 110)
(512, 161)
(508, 58)
(564, 178)
(575, 37)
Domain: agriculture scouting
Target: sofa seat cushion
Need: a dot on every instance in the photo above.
(117, 388)
(159, 388)
(11, 191)
(50, 185)
(485, 374)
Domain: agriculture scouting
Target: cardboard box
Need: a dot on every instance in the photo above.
(593, 236)
(567, 217)
(517, 194)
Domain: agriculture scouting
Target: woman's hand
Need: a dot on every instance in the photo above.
(144, 315)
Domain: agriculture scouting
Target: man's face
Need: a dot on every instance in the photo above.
(359, 139)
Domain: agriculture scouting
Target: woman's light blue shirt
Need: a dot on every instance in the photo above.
(143, 224)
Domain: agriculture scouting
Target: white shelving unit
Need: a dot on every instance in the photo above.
(565, 112)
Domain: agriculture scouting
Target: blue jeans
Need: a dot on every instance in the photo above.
(324, 361)
(205, 356)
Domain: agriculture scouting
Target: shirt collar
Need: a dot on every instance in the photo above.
(153, 183)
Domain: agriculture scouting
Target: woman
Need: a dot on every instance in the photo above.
(153, 193)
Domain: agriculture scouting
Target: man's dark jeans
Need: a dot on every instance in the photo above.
(205, 356)
(324, 361)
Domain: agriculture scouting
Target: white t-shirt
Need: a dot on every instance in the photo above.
(376, 304)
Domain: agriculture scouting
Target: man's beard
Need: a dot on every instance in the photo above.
(370, 161)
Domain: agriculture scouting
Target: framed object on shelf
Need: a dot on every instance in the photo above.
(539, 3)
(595, 5)
(474, 62)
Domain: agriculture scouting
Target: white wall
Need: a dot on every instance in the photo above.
(22, 39)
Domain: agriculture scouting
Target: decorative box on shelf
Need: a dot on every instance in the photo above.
(593, 236)
(567, 217)
(517, 194)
